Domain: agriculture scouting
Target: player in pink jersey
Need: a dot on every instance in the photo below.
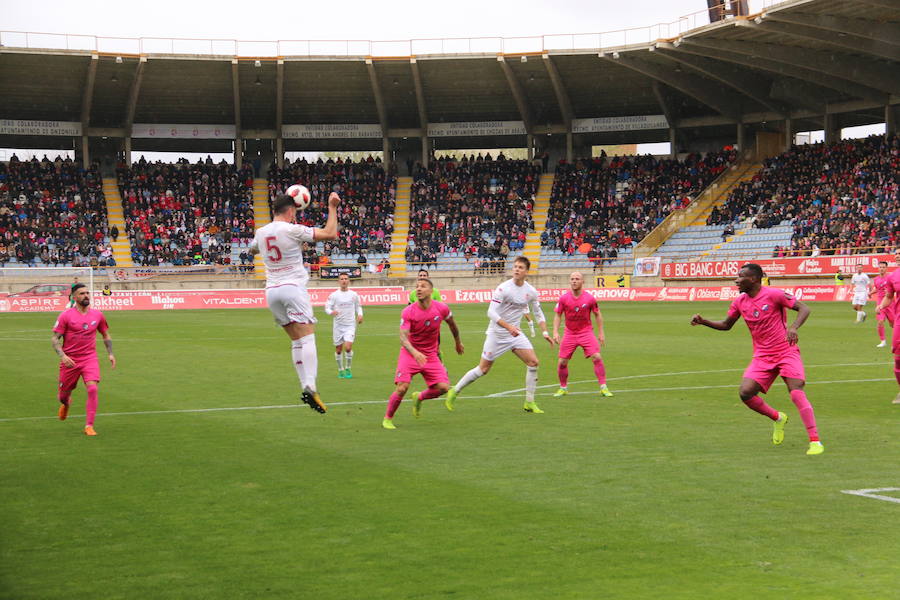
(578, 306)
(886, 314)
(891, 303)
(420, 329)
(775, 350)
(74, 336)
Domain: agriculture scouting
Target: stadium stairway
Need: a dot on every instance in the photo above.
(116, 216)
(261, 216)
(539, 214)
(401, 227)
(744, 172)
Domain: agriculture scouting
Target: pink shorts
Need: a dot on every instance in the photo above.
(89, 370)
(764, 369)
(432, 371)
(572, 339)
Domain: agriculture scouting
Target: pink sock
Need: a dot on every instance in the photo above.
(429, 393)
(600, 371)
(91, 406)
(393, 405)
(806, 413)
(881, 331)
(563, 372)
(64, 397)
(759, 405)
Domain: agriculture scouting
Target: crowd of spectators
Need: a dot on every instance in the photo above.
(841, 198)
(366, 213)
(52, 213)
(478, 206)
(186, 214)
(608, 204)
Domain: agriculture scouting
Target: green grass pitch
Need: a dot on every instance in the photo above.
(671, 489)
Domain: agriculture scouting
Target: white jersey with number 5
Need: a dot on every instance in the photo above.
(281, 246)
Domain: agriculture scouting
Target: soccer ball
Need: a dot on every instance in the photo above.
(300, 195)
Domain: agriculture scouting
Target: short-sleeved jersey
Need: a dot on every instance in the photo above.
(510, 301)
(280, 244)
(881, 286)
(577, 310)
(424, 326)
(860, 283)
(893, 283)
(79, 332)
(347, 304)
(766, 318)
(435, 295)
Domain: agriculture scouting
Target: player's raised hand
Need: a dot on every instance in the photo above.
(66, 360)
(459, 347)
(696, 320)
(334, 200)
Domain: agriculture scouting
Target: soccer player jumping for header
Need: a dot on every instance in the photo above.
(74, 336)
(420, 327)
(281, 244)
(343, 304)
(577, 306)
(503, 334)
(775, 350)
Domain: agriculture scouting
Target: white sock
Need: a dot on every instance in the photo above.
(531, 327)
(348, 358)
(468, 378)
(306, 361)
(531, 379)
(339, 359)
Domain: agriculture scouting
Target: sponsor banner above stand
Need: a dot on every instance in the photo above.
(138, 273)
(795, 266)
(385, 296)
(182, 131)
(325, 131)
(17, 127)
(476, 128)
(646, 267)
(335, 271)
(630, 123)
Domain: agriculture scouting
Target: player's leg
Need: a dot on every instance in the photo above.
(880, 317)
(484, 366)
(591, 345)
(394, 403)
(303, 353)
(338, 354)
(895, 348)
(435, 374)
(757, 379)
(90, 407)
(562, 372)
(528, 356)
(798, 397)
(68, 380)
(349, 336)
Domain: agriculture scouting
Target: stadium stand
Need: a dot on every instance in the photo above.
(837, 198)
(52, 213)
(601, 207)
(366, 214)
(186, 214)
(472, 213)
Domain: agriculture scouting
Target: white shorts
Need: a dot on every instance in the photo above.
(343, 333)
(860, 298)
(496, 345)
(290, 303)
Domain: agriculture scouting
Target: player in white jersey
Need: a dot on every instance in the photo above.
(505, 312)
(281, 244)
(344, 305)
(862, 289)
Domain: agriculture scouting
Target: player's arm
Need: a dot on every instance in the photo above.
(538, 314)
(454, 329)
(556, 320)
(493, 313)
(802, 314)
(107, 341)
(57, 341)
(723, 325)
(359, 311)
(601, 337)
(329, 306)
(404, 341)
(888, 297)
(330, 231)
(254, 247)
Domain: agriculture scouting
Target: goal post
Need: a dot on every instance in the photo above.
(44, 282)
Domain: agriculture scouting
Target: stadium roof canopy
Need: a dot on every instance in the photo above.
(800, 59)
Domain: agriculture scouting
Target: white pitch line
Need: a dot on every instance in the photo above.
(869, 493)
(363, 402)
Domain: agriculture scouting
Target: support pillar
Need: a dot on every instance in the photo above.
(386, 152)
(426, 144)
(529, 146)
(832, 131)
(570, 147)
(890, 119)
(788, 135)
(85, 153)
(673, 142)
(128, 150)
(740, 137)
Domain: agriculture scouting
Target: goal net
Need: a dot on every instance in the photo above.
(41, 288)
